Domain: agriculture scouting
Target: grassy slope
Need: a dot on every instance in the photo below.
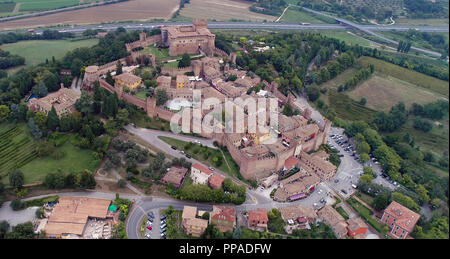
(293, 15)
(75, 160)
(36, 51)
(199, 156)
(413, 77)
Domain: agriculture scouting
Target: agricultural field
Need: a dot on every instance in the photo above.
(422, 22)
(376, 5)
(36, 51)
(29, 6)
(222, 10)
(410, 76)
(17, 148)
(382, 92)
(123, 11)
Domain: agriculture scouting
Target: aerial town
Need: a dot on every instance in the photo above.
(179, 131)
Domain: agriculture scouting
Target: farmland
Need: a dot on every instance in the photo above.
(10, 7)
(16, 148)
(222, 10)
(124, 11)
(382, 92)
(36, 51)
(293, 15)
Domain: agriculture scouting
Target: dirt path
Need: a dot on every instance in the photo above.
(285, 9)
(16, 8)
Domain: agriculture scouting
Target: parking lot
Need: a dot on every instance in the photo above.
(155, 224)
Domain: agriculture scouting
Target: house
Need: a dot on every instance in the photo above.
(333, 219)
(175, 175)
(128, 80)
(191, 225)
(215, 181)
(269, 181)
(223, 217)
(65, 72)
(298, 217)
(200, 174)
(63, 100)
(400, 220)
(356, 226)
(291, 163)
(258, 219)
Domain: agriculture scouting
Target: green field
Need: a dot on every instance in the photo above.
(294, 15)
(156, 52)
(29, 6)
(6, 7)
(410, 76)
(424, 22)
(383, 91)
(37, 51)
(16, 148)
(75, 160)
(348, 109)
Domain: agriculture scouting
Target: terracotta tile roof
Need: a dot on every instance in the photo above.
(223, 213)
(330, 215)
(291, 162)
(215, 181)
(297, 211)
(259, 214)
(175, 175)
(189, 212)
(405, 218)
(200, 223)
(355, 224)
(128, 78)
(202, 169)
(71, 214)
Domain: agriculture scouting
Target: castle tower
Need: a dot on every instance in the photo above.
(90, 76)
(142, 37)
(307, 113)
(200, 23)
(151, 107)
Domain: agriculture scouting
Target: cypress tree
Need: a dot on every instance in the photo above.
(52, 119)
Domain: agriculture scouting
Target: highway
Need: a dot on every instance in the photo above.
(248, 25)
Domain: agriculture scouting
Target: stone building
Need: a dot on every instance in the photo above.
(127, 80)
(191, 39)
(63, 100)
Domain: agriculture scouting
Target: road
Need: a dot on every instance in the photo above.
(369, 30)
(244, 25)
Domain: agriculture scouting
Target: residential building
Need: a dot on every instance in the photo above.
(128, 80)
(356, 226)
(191, 225)
(400, 220)
(200, 174)
(175, 175)
(164, 81)
(215, 181)
(63, 100)
(298, 217)
(223, 217)
(257, 219)
(182, 81)
(333, 219)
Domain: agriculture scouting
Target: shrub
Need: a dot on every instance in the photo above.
(17, 204)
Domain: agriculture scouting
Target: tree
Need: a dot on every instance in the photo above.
(367, 170)
(313, 93)
(364, 157)
(21, 231)
(405, 201)
(161, 97)
(5, 113)
(109, 78)
(40, 90)
(16, 179)
(381, 201)
(363, 101)
(205, 216)
(4, 227)
(119, 68)
(83, 104)
(366, 178)
(185, 61)
(34, 129)
(123, 117)
(52, 119)
(232, 77)
(363, 148)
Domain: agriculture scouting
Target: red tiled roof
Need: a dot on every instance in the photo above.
(202, 168)
(215, 181)
(224, 213)
(291, 162)
(405, 218)
(258, 215)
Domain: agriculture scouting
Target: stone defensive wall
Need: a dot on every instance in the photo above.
(103, 69)
(176, 71)
(143, 42)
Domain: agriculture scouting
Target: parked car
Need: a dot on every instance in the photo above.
(174, 147)
(149, 227)
(163, 234)
(188, 156)
(211, 168)
(163, 226)
(150, 219)
(147, 236)
(162, 217)
(322, 200)
(344, 191)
